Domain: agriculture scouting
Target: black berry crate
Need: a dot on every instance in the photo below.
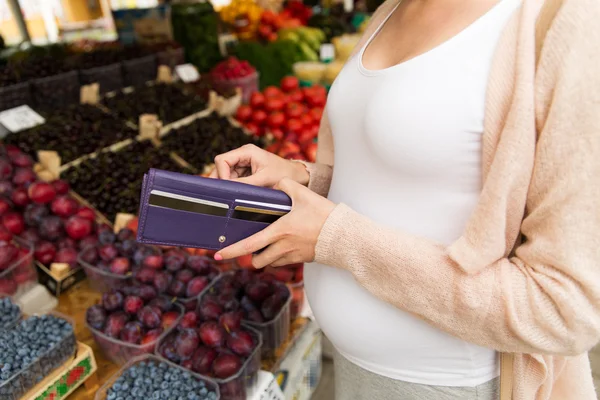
(56, 91)
(109, 77)
(15, 95)
(139, 70)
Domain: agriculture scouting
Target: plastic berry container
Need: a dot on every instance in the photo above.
(12, 322)
(15, 387)
(248, 84)
(102, 393)
(21, 275)
(56, 91)
(101, 280)
(109, 77)
(138, 71)
(121, 352)
(238, 386)
(297, 290)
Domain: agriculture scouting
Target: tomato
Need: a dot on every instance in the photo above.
(257, 100)
(315, 99)
(245, 261)
(254, 129)
(319, 90)
(314, 130)
(274, 104)
(305, 137)
(293, 126)
(268, 17)
(277, 133)
(265, 31)
(294, 110)
(311, 152)
(276, 120)
(316, 114)
(274, 148)
(289, 148)
(289, 83)
(243, 113)
(259, 117)
(306, 120)
(296, 96)
(272, 91)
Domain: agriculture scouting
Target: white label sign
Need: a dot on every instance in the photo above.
(267, 388)
(20, 118)
(187, 73)
(327, 52)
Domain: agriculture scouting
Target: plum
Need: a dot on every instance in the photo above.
(133, 304)
(44, 252)
(41, 192)
(14, 222)
(231, 321)
(258, 291)
(153, 261)
(51, 228)
(189, 320)
(107, 237)
(64, 206)
(203, 359)
(108, 252)
(60, 186)
(119, 266)
(23, 177)
(169, 319)
(127, 248)
(89, 255)
(125, 234)
(149, 317)
(211, 334)
(147, 292)
(199, 264)
(112, 300)
(88, 241)
(19, 197)
(144, 275)
(35, 213)
(78, 227)
(186, 342)
(6, 236)
(228, 301)
(96, 316)
(115, 323)
(8, 286)
(132, 332)
(6, 169)
(196, 286)
(169, 351)
(185, 275)
(86, 213)
(161, 282)
(176, 288)
(66, 243)
(67, 256)
(152, 336)
(241, 343)
(226, 365)
(8, 254)
(163, 304)
(209, 310)
(4, 205)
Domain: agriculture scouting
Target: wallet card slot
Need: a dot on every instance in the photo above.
(193, 195)
(238, 229)
(189, 204)
(186, 229)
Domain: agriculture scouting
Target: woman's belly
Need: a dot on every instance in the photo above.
(387, 341)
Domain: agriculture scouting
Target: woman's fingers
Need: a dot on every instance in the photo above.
(225, 163)
(249, 245)
(270, 255)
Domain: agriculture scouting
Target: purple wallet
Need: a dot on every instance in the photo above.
(192, 211)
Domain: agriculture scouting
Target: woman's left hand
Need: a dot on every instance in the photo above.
(292, 238)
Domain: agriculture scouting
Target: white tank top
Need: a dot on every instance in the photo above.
(407, 145)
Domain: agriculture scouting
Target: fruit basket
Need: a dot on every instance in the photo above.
(234, 387)
(56, 91)
(20, 273)
(171, 58)
(45, 362)
(139, 363)
(15, 95)
(109, 77)
(119, 351)
(265, 304)
(138, 71)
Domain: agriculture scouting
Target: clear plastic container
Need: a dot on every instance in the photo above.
(120, 352)
(275, 332)
(171, 58)
(15, 95)
(56, 91)
(35, 372)
(238, 386)
(101, 280)
(297, 290)
(109, 77)
(11, 324)
(139, 70)
(102, 393)
(248, 84)
(21, 275)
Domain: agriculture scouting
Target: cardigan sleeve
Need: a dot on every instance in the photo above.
(546, 298)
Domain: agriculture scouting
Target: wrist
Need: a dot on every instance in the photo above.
(300, 172)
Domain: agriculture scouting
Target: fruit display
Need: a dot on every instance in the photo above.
(31, 351)
(308, 39)
(167, 101)
(233, 73)
(72, 132)
(243, 16)
(199, 142)
(148, 377)
(212, 342)
(10, 313)
(263, 301)
(112, 181)
(195, 26)
(129, 322)
(290, 115)
(293, 276)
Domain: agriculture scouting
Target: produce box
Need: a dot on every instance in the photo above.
(169, 102)
(73, 132)
(15, 95)
(109, 77)
(138, 363)
(56, 91)
(61, 349)
(138, 71)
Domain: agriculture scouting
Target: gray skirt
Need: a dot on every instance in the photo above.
(355, 383)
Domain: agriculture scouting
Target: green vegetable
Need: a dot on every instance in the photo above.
(195, 26)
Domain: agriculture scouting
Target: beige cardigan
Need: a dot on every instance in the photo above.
(538, 296)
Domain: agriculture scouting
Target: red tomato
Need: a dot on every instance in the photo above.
(276, 120)
(294, 110)
(268, 17)
(315, 99)
(297, 96)
(306, 120)
(277, 133)
(254, 129)
(305, 137)
(265, 31)
(243, 113)
(314, 130)
(316, 114)
(311, 152)
(273, 148)
(272, 91)
(289, 83)
(274, 104)
(320, 90)
(293, 126)
(259, 117)
(257, 100)
(289, 148)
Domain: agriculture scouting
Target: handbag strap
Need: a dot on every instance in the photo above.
(545, 18)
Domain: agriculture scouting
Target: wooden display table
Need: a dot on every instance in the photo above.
(74, 303)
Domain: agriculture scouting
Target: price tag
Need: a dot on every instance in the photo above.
(187, 73)
(20, 118)
(327, 52)
(267, 388)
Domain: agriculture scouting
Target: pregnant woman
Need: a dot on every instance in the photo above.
(454, 209)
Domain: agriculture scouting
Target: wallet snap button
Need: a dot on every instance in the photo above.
(222, 239)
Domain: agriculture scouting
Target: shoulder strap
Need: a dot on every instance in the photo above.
(546, 16)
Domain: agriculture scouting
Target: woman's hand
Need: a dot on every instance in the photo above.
(255, 166)
(293, 237)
